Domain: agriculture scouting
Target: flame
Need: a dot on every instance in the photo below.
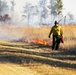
(40, 42)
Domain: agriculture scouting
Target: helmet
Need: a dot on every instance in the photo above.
(55, 22)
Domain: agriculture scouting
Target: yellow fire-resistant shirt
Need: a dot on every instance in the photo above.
(56, 30)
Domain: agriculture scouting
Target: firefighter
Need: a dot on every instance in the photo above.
(57, 34)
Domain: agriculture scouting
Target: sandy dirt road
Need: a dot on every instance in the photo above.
(11, 69)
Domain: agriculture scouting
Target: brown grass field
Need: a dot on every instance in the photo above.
(18, 57)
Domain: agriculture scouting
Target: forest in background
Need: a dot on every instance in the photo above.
(43, 13)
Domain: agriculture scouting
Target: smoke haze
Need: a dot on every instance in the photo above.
(11, 32)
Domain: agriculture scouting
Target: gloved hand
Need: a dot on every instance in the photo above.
(62, 40)
(49, 36)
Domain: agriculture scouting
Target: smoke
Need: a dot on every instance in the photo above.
(11, 33)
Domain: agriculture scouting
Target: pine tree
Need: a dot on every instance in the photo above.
(3, 7)
(59, 6)
(56, 7)
(43, 11)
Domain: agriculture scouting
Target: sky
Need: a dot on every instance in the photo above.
(68, 5)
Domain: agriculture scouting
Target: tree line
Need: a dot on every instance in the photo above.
(42, 11)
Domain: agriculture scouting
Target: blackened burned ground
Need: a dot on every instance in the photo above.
(35, 53)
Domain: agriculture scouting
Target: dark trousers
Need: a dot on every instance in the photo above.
(56, 42)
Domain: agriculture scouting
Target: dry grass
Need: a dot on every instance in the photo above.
(69, 37)
(24, 59)
(42, 32)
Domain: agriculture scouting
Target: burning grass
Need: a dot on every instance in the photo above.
(38, 35)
